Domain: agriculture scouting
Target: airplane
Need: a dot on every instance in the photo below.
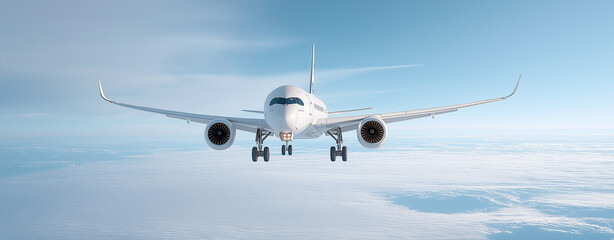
(293, 113)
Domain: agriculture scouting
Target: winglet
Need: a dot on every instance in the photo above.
(516, 88)
(102, 93)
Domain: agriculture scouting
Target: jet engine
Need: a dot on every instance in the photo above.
(220, 134)
(372, 132)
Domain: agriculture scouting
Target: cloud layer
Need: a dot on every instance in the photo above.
(209, 194)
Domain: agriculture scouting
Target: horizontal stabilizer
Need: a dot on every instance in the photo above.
(253, 111)
(347, 111)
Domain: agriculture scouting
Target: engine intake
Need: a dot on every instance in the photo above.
(372, 132)
(220, 134)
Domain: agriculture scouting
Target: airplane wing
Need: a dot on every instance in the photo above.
(347, 111)
(351, 123)
(244, 124)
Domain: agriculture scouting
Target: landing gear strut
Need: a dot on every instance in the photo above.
(340, 150)
(261, 135)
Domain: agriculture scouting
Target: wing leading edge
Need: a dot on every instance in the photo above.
(244, 124)
(350, 123)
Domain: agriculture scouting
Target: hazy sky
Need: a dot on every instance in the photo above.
(220, 57)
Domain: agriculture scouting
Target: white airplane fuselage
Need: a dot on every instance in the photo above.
(298, 119)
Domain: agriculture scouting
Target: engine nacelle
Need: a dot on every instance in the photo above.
(372, 132)
(220, 134)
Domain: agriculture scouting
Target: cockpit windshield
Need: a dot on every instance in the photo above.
(286, 101)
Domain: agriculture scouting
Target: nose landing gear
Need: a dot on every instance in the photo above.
(341, 151)
(261, 135)
(287, 148)
(286, 137)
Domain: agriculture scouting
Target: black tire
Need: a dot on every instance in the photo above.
(254, 154)
(332, 153)
(344, 153)
(283, 150)
(290, 150)
(267, 154)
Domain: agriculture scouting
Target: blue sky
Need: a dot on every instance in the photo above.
(220, 57)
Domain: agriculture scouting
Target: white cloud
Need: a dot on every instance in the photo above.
(222, 194)
(578, 199)
(338, 74)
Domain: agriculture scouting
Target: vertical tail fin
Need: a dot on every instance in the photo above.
(313, 54)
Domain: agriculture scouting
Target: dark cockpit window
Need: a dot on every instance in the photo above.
(300, 102)
(295, 100)
(284, 101)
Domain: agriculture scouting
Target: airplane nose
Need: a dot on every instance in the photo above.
(285, 117)
(290, 119)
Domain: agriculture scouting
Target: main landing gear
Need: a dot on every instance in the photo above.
(285, 148)
(339, 151)
(261, 135)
